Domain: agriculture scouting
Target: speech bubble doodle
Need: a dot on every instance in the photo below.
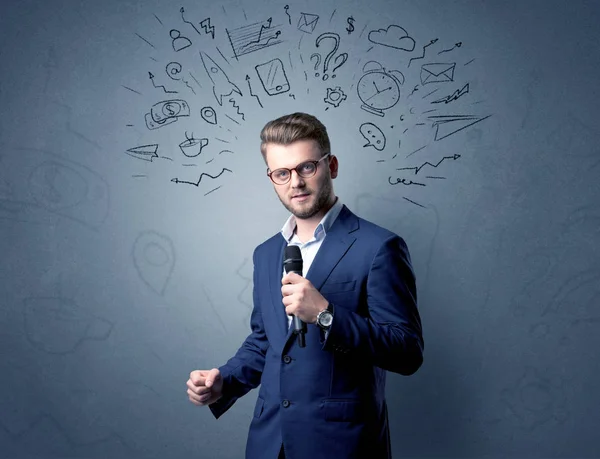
(373, 135)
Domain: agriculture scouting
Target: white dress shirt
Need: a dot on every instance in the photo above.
(310, 248)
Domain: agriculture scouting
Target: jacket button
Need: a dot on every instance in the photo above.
(287, 359)
(286, 403)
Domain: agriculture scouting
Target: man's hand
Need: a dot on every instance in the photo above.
(205, 386)
(301, 298)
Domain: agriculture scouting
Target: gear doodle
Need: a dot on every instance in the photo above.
(335, 96)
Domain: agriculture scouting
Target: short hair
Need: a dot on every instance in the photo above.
(292, 128)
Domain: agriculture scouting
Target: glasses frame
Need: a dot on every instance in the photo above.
(315, 162)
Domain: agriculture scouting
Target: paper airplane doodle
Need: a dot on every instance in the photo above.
(446, 125)
(145, 152)
(222, 86)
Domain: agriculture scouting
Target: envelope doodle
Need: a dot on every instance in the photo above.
(437, 73)
(307, 22)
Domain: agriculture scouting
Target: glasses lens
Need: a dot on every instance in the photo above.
(306, 169)
(280, 176)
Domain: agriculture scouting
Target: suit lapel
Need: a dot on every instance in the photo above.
(275, 275)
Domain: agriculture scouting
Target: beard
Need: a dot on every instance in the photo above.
(304, 210)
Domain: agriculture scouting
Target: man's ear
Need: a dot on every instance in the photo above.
(333, 166)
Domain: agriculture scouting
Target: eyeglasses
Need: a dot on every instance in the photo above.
(305, 170)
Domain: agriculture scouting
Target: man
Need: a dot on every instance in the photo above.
(357, 296)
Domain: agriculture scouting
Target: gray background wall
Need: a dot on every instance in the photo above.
(117, 281)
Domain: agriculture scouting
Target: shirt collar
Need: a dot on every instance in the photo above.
(287, 231)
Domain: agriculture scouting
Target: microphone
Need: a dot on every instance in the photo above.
(292, 262)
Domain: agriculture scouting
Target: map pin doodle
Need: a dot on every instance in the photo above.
(209, 115)
(154, 258)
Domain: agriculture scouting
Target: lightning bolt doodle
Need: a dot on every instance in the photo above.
(203, 174)
(427, 163)
(424, 48)
(455, 95)
(207, 27)
(232, 100)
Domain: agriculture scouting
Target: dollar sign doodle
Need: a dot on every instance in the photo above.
(350, 27)
(169, 109)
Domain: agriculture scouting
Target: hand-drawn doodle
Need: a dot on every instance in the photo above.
(205, 24)
(535, 399)
(403, 181)
(237, 107)
(350, 27)
(222, 86)
(179, 43)
(318, 56)
(43, 316)
(253, 37)
(166, 112)
(446, 125)
(456, 45)
(286, 8)
(272, 76)
(335, 96)
(145, 40)
(455, 95)
(182, 10)
(192, 147)
(437, 73)
(394, 37)
(423, 55)
(145, 152)
(427, 163)
(251, 93)
(154, 258)
(174, 71)
(159, 86)
(343, 56)
(372, 133)
(203, 174)
(307, 22)
(378, 88)
(209, 115)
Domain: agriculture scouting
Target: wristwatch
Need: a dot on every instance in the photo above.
(325, 317)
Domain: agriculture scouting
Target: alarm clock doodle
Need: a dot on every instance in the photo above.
(379, 89)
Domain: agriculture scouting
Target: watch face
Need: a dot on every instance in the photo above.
(378, 90)
(325, 319)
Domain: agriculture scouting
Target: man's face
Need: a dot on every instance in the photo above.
(303, 197)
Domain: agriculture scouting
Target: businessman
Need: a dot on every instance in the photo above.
(358, 298)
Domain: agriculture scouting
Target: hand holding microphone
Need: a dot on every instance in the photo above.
(300, 298)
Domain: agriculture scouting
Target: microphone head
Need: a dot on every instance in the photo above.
(292, 259)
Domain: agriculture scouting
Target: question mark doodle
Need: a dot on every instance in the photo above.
(318, 56)
(335, 37)
(344, 57)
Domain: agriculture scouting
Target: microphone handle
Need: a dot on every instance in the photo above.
(299, 326)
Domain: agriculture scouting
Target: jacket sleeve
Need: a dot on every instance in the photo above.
(391, 335)
(243, 371)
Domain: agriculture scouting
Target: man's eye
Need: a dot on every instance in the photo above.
(281, 173)
(306, 167)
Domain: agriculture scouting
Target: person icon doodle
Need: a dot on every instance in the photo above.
(179, 42)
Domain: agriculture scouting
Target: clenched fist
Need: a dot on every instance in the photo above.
(205, 386)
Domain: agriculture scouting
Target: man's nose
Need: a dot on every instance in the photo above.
(295, 179)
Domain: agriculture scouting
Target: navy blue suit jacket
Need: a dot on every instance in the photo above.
(327, 400)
